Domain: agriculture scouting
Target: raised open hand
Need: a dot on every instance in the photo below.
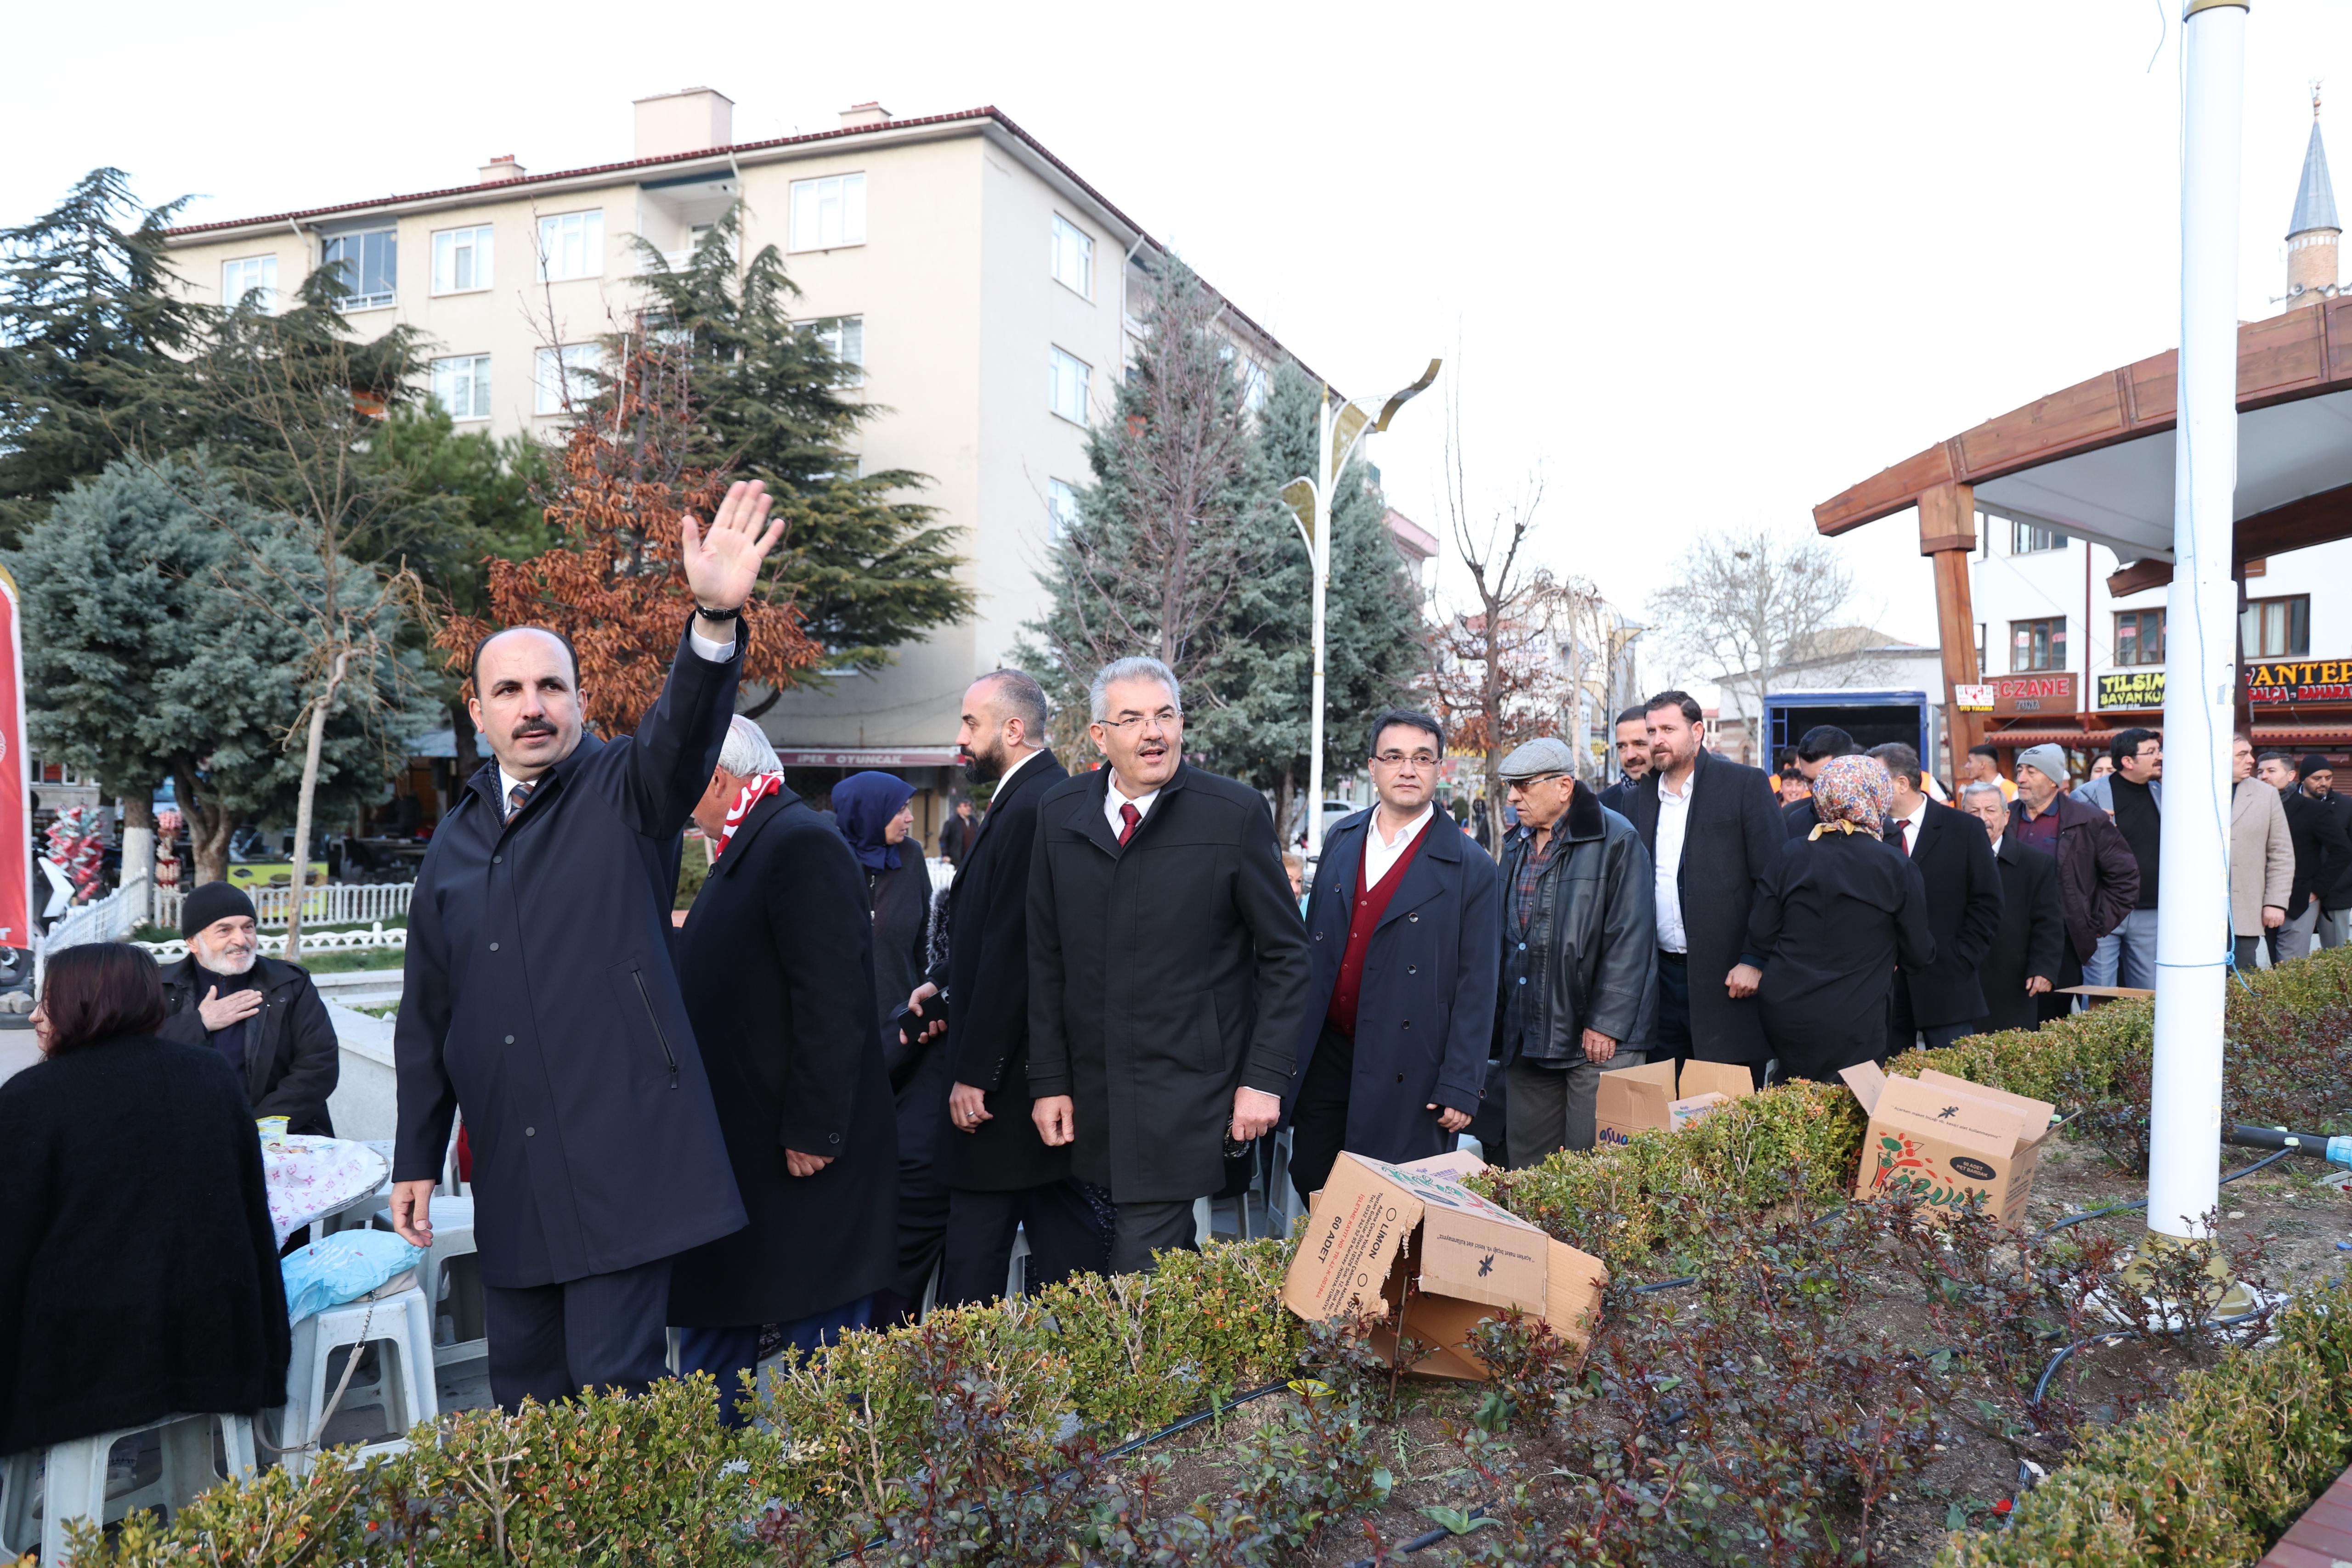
(722, 562)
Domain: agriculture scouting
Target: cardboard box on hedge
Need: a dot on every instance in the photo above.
(1940, 1138)
(1376, 1227)
(1650, 1098)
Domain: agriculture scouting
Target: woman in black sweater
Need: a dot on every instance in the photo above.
(1839, 909)
(138, 1276)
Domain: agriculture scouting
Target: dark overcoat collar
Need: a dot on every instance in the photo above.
(749, 829)
(1087, 815)
(1036, 766)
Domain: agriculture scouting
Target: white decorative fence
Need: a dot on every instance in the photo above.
(109, 919)
(376, 935)
(323, 904)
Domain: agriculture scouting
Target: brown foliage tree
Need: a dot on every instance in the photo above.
(614, 586)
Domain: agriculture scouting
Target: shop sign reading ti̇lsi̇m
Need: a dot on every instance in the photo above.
(2131, 688)
(2299, 681)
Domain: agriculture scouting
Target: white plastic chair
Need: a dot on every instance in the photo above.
(401, 1324)
(67, 1482)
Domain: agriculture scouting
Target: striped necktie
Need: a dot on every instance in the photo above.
(517, 796)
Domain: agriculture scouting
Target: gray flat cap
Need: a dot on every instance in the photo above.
(2049, 762)
(1543, 755)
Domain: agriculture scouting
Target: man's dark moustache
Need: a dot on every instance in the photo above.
(534, 729)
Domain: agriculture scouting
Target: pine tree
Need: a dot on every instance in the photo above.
(864, 568)
(148, 656)
(1178, 522)
(92, 340)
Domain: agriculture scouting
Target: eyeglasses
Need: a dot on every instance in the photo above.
(1539, 778)
(1399, 758)
(1166, 718)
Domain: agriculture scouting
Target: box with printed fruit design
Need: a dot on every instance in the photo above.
(1940, 1139)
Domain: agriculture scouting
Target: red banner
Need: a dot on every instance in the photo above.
(15, 781)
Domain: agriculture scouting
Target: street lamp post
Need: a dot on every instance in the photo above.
(2193, 923)
(1338, 432)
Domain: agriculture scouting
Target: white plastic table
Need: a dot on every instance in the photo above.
(313, 1179)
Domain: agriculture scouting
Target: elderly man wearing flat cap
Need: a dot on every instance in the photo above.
(2099, 876)
(264, 1016)
(1580, 952)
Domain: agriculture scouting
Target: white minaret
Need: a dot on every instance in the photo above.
(2312, 234)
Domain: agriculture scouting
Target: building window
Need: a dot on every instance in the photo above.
(570, 245)
(1074, 258)
(829, 212)
(844, 338)
(1984, 666)
(369, 264)
(1255, 385)
(461, 260)
(1061, 511)
(2030, 538)
(2278, 628)
(2037, 644)
(252, 275)
(1065, 386)
(2139, 636)
(565, 378)
(462, 385)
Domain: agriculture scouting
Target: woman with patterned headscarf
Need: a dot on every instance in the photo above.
(1836, 913)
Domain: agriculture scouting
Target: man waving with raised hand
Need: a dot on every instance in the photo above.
(539, 997)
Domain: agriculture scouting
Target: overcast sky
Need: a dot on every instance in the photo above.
(1697, 265)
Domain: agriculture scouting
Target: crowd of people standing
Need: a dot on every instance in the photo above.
(830, 1096)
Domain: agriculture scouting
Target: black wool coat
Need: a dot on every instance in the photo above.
(138, 1276)
(1833, 917)
(539, 997)
(1426, 1009)
(2031, 940)
(1729, 842)
(1163, 977)
(2322, 850)
(291, 1059)
(1955, 860)
(775, 961)
(986, 978)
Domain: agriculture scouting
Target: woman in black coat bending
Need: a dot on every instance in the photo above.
(138, 1276)
(873, 812)
(1835, 913)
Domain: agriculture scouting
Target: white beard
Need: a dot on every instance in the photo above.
(220, 962)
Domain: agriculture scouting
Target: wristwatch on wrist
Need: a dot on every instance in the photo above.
(708, 613)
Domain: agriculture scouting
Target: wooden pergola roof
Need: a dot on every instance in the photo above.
(2094, 460)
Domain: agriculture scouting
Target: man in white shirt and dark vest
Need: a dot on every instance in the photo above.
(1402, 950)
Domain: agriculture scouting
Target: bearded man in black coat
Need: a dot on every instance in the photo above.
(538, 996)
(1002, 1177)
(1167, 968)
(776, 961)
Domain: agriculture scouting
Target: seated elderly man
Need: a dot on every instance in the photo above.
(263, 1015)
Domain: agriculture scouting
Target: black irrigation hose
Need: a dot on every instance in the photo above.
(2142, 1202)
(2117, 1336)
(1423, 1542)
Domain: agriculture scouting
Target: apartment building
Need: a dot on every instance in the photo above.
(2057, 641)
(986, 293)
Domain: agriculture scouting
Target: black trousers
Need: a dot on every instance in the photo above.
(1674, 1034)
(1318, 1121)
(1144, 1229)
(1067, 1237)
(607, 1331)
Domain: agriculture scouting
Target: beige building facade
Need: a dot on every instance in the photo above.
(986, 291)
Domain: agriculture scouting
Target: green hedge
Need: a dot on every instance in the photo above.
(1125, 1355)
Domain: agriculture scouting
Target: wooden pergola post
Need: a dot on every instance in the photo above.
(1947, 536)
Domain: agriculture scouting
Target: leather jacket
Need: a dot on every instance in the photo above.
(1590, 944)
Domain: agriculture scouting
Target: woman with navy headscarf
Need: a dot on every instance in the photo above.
(875, 813)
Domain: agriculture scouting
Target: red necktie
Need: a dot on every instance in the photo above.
(1902, 836)
(1133, 819)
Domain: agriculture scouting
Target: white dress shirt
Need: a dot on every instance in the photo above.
(716, 652)
(1113, 800)
(1381, 855)
(1006, 776)
(1674, 817)
(1910, 826)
